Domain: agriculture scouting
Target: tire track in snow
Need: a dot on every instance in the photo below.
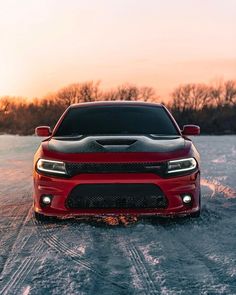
(141, 267)
(6, 235)
(62, 248)
(215, 267)
(191, 250)
(137, 257)
(16, 211)
(218, 284)
(110, 257)
(25, 266)
(15, 238)
(21, 272)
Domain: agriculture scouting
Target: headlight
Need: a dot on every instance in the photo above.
(181, 165)
(49, 166)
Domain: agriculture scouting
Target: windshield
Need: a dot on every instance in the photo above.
(116, 120)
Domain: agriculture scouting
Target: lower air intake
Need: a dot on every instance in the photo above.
(101, 196)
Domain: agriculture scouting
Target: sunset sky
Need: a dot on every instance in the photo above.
(45, 44)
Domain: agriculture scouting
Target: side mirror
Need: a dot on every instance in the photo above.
(191, 130)
(43, 131)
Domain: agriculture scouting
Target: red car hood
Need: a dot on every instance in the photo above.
(117, 148)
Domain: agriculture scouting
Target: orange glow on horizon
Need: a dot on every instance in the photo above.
(46, 45)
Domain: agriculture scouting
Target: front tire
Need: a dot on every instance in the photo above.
(198, 213)
(43, 218)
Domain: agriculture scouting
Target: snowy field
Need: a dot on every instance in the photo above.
(195, 256)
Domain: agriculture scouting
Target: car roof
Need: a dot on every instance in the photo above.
(115, 103)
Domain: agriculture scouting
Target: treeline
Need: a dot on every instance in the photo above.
(211, 107)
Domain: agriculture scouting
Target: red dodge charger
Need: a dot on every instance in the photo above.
(106, 158)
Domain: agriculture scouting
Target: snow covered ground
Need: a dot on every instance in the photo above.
(149, 257)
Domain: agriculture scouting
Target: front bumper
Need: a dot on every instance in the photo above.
(173, 188)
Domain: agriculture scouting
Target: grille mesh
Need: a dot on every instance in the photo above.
(135, 167)
(116, 196)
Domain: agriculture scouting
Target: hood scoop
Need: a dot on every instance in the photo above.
(116, 142)
(104, 144)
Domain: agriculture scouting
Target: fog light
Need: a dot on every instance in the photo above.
(187, 199)
(46, 200)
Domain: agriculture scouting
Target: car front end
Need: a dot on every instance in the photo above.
(139, 175)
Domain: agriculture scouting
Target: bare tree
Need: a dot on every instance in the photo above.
(230, 92)
(4, 104)
(216, 93)
(130, 92)
(190, 96)
(127, 92)
(78, 92)
(10, 103)
(223, 93)
(67, 95)
(89, 91)
(148, 94)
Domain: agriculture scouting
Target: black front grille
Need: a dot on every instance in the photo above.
(101, 196)
(131, 167)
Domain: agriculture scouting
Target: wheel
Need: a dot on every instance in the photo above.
(43, 218)
(198, 213)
